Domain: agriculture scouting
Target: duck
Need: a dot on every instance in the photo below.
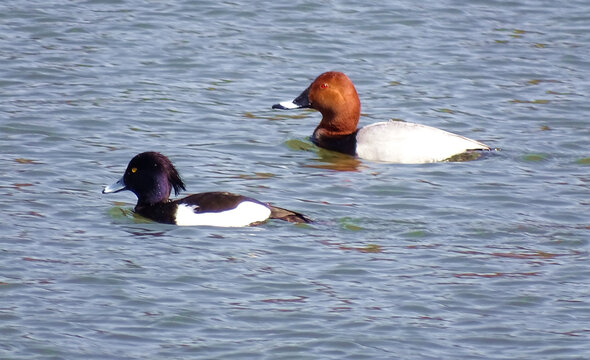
(151, 176)
(333, 94)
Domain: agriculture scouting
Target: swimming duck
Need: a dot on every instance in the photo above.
(334, 96)
(151, 177)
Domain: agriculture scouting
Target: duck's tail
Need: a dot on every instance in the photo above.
(288, 215)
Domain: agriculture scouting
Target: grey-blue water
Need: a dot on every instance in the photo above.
(487, 259)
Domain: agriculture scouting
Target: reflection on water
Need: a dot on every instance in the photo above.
(119, 212)
(330, 160)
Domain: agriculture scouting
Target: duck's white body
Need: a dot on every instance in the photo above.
(410, 143)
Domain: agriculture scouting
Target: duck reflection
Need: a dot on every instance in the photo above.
(326, 159)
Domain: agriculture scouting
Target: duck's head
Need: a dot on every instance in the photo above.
(332, 94)
(151, 177)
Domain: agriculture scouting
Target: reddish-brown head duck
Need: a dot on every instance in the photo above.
(334, 96)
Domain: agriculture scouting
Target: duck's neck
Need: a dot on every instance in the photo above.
(157, 192)
(339, 123)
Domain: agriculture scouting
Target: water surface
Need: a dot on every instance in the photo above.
(483, 259)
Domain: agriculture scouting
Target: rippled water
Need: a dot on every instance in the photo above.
(483, 259)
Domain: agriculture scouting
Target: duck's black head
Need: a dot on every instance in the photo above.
(151, 176)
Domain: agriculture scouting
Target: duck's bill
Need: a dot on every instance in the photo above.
(115, 187)
(286, 105)
(301, 101)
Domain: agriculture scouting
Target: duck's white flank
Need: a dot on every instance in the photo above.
(410, 143)
(244, 214)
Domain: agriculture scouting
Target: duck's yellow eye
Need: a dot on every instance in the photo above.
(134, 170)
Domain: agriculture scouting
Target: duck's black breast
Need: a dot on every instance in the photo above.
(345, 144)
(161, 212)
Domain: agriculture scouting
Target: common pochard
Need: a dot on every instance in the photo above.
(334, 96)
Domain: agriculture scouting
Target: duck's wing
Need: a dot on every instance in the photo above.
(215, 201)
